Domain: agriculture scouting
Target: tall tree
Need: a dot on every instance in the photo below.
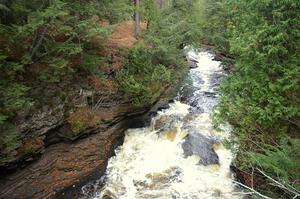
(137, 17)
(160, 3)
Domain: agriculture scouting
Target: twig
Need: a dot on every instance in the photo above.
(251, 189)
(293, 122)
(280, 185)
(252, 179)
(39, 43)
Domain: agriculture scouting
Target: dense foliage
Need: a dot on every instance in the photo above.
(52, 41)
(261, 98)
(51, 34)
(160, 62)
(47, 41)
(55, 43)
(142, 80)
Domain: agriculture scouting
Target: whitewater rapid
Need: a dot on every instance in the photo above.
(151, 163)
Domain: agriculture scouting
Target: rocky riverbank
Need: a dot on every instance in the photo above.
(66, 165)
(66, 137)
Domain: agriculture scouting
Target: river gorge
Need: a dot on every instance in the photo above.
(180, 155)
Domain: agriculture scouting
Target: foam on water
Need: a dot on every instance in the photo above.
(152, 165)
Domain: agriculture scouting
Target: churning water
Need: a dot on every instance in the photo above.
(180, 156)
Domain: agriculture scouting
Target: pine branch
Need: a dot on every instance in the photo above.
(4, 7)
(39, 43)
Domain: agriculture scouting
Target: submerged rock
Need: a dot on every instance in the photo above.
(187, 93)
(161, 180)
(192, 63)
(166, 123)
(108, 195)
(197, 144)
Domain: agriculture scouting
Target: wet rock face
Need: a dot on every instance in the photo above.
(159, 180)
(192, 63)
(187, 93)
(198, 144)
(44, 120)
(165, 123)
(64, 166)
(109, 195)
(32, 125)
(61, 165)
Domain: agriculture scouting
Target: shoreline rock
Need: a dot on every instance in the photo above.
(198, 144)
(65, 166)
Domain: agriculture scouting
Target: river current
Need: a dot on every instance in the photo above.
(180, 155)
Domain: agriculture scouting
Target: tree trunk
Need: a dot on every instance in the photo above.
(160, 2)
(137, 18)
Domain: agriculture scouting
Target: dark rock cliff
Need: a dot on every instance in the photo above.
(66, 159)
(66, 137)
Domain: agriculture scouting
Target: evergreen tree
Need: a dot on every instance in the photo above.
(261, 97)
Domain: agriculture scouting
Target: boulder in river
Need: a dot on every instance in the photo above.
(198, 144)
(192, 63)
(166, 122)
(187, 93)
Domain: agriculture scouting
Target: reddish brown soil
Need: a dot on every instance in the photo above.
(124, 35)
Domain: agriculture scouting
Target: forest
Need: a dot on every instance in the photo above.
(51, 49)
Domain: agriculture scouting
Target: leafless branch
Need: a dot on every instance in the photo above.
(252, 190)
(290, 189)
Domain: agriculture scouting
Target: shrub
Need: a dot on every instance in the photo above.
(84, 118)
(141, 80)
(282, 163)
(9, 143)
(31, 146)
(261, 97)
(91, 63)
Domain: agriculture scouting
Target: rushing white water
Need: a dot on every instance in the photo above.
(151, 163)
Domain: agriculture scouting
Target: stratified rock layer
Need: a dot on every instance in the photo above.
(65, 164)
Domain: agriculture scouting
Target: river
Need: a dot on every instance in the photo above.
(180, 155)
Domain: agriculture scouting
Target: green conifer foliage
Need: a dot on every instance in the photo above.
(261, 97)
(55, 39)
